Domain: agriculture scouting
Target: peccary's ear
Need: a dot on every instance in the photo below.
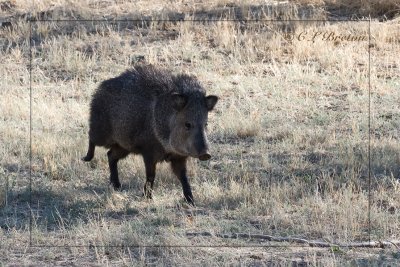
(178, 101)
(211, 100)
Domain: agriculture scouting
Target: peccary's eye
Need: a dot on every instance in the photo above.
(188, 125)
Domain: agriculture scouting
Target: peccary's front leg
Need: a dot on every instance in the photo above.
(150, 166)
(114, 155)
(179, 169)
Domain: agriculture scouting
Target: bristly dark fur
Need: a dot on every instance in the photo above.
(147, 111)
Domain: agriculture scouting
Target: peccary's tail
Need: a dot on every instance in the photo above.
(90, 153)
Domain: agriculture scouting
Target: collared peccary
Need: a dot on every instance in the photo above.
(149, 111)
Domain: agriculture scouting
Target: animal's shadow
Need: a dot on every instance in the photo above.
(51, 210)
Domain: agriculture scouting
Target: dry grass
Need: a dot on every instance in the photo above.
(289, 138)
(358, 8)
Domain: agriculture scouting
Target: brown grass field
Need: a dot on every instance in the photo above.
(306, 107)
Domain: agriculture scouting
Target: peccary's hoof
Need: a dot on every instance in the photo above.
(116, 186)
(147, 196)
(190, 202)
(86, 158)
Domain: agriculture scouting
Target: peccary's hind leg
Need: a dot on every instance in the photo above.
(114, 155)
(90, 154)
(150, 166)
(179, 169)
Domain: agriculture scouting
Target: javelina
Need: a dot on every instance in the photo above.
(151, 112)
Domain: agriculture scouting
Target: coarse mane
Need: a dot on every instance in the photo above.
(159, 81)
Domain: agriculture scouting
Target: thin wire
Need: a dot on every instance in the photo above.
(369, 130)
(186, 246)
(192, 20)
(30, 132)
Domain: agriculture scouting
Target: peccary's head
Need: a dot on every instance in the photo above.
(189, 106)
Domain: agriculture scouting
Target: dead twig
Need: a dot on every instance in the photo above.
(311, 243)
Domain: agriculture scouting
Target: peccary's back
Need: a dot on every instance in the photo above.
(121, 107)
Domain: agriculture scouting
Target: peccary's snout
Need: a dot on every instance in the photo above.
(202, 146)
(201, 150)
(204, 156)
